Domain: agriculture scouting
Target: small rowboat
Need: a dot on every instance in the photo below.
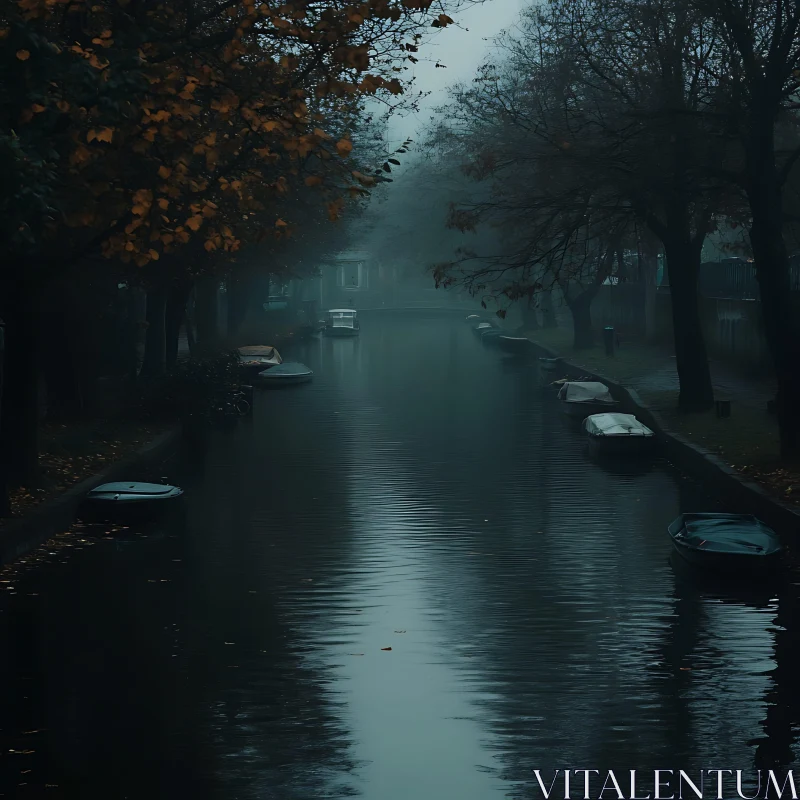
(514, 344)
(121, 500)
(582, 399)
(726, 542)
(618, 433)
(285, 374)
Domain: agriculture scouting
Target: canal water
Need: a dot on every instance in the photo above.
(405, 579)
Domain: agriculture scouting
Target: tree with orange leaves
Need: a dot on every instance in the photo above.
(133, 127)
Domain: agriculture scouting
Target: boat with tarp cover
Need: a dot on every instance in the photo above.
(581, 399)
(726, 542)
(258, 357)
(128, 500)
(618, 433)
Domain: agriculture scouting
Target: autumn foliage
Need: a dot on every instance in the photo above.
(134, 127)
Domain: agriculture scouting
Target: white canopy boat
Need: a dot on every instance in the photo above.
(618, 433)
(584, 398)
(289, 372)
(342, 322)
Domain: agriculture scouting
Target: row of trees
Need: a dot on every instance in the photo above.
(177, 143)
(609, 125)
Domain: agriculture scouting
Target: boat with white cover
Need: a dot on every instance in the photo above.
(289, 372)
(618, 433)
(581, 399)
(342, 322)
(258, 357)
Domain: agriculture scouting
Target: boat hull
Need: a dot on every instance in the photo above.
(622, 445)
(129, 511)
(583, 410)
(286, 381)
(728, 563)
(342, 332)
(514, 345)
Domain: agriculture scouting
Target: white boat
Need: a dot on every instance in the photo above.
(259, 357)
(289, 372)
(584, 398)
(342, 322)
(618, 433)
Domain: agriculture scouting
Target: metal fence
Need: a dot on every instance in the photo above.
(736, 278)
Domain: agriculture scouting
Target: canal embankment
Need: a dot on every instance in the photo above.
(735, 456)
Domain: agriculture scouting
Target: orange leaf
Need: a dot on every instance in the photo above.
(313, 180)
(344, 147)
(23, 55)
(163, 203)
(164, 172)
(194, 223)
(153, 254)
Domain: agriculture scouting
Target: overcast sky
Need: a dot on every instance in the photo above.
(462, 48)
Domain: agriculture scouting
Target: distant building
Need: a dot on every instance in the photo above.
(358, 279)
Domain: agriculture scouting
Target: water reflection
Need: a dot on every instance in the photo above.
(423, 495)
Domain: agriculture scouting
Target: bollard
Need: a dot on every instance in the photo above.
(723, 408)
(608, 340)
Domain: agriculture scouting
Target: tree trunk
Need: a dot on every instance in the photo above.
(648, 273)
(155, 336)
(580, 307)
(696, 391)
(239, 293)
(530, 320)
(65, 390)
(173, 319)
(780, 325)
(19, 420)
(206, 313)
(546, 307)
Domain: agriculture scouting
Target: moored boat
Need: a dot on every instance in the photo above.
(482, 326)
(342, 322)
(287, 373)
(726, 542)
(490, 335)
(125, 500)
(618, 433)
(581, 399)
(258, 357)
(514, 344)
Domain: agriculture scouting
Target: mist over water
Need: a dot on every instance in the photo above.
(421, 494)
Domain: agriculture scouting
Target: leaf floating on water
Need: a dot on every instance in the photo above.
(356, 654)
(399, 631)
(386, 648)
